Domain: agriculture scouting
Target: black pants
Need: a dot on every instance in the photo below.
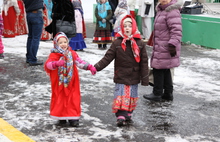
(163, 83)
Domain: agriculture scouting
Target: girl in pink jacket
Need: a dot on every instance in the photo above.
(1, 43)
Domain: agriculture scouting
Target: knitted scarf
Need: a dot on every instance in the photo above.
(64, 72)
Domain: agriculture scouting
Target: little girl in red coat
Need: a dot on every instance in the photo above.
(61, 66)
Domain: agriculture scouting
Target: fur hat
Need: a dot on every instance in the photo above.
(127, 20)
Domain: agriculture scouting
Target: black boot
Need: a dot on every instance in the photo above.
(167, 97)
(100, 46)
(152, 97)
(62, 122)
(74, 123)
(104, 46)
(120, 122)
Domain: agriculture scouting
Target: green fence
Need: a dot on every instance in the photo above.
(201, 30)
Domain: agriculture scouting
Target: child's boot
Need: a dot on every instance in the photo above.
(74, 123)
(62, 122)
(120, 121)
(128, 119)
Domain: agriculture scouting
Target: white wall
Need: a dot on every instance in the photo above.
(88, 9)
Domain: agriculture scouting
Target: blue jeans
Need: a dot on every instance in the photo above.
(35, 26)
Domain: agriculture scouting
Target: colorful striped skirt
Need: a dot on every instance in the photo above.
(125, 97)
(102, 37)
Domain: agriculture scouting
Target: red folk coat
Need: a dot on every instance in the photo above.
(65, 101)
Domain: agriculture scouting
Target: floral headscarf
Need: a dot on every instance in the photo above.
(64, 72)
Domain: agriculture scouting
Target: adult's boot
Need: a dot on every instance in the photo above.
(167, 96)
(153, 97)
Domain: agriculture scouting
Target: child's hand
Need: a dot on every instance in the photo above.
(59, 63)
(92, 69)
(103, 20)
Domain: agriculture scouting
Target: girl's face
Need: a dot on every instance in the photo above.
(102, 1)
(127, 28)
(164, 2)
(63, 43)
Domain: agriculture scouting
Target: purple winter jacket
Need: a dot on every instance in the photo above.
(167, 31)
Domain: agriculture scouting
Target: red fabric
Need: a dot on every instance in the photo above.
(124, 102)
(65, 101)
(133, 14)
(10, 22)
(22, 23)
(45, 35)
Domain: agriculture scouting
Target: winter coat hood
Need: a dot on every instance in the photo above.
(174, 4)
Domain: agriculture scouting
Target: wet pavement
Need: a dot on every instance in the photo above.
(191, 117)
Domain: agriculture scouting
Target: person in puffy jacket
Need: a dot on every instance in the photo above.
(130, 68)
(166, 48)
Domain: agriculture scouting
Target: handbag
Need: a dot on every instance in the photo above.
(69, 28)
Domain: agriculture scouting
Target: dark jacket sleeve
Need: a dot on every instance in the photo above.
(97, 15)
(109, 16)
(107, 59)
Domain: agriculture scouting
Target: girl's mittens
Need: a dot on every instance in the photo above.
(92, 69)
(57, 64)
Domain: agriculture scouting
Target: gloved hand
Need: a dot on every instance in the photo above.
(103, 20)
(172, 50)
(111, 21)
(92, 69)
(57, 64)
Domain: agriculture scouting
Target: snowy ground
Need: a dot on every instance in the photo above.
(193, 116)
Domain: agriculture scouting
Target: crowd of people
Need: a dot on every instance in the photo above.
(115, 25)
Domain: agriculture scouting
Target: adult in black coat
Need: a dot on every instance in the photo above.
(113, 4)
(61, 8)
